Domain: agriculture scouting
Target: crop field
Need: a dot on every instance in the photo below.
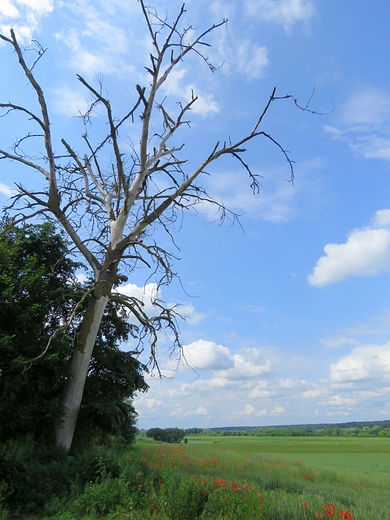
(275, 478)
(352, 457)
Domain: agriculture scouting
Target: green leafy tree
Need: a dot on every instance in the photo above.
(171, 435)
(41, 306)
(35, 303)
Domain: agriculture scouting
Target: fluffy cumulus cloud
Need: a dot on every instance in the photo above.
(258, 390)
(364, 122)
(149, 294)
(358, 382)
(207, 355)
(366, 363)
(282, 12)
(23, 16)
(247, 380)
(365, 253)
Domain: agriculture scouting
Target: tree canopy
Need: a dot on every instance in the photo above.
(38, 296)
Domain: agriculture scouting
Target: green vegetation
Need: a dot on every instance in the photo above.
(171, 435)
(349, 429)
(235, 478)
(41, 305)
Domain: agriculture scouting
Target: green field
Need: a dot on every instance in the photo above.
(352, 457)
(212, 478)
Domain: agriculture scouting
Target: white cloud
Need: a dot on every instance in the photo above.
(178, 87)
(337, 341)
(153, 403)
(366, 253)
(357, 384)
(208, 355)
(7, 191)
(27, 13)
(96, 40)
(93, 50)
(367, 106)
(277, 199)
(189, 313)
(248, 365)
(180, 412)
(69, 102)
(104, 59)
(282, 12)
(251, 411)
(8, 10)
(364, 123)
(374, 329)
(364, 363)
(381, 219)
(278, 410)
(251, 59)
(151, 292)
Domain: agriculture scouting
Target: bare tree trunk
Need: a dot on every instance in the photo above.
(84, 345)
(74, 387)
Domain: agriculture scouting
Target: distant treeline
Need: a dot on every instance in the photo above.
(352, 429)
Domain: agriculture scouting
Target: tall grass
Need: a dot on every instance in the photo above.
(189, 482)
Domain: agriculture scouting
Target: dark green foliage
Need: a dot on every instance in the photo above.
(34, 473)
(172, 435)
(37, 298)
(35, 301)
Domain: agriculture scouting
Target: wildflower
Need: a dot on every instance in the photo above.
(305, 505)
(319, 515)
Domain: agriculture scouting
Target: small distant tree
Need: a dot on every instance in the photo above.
(171, 435)
(156, 434)
(110, 201)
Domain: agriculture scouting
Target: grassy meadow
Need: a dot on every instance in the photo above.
(230, 478)
(350, 457)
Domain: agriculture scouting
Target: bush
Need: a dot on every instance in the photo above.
(101, 498)
(31, 474)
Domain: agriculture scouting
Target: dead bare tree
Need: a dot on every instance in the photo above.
(108, 212)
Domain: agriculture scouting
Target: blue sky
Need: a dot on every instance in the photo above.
(289, 314)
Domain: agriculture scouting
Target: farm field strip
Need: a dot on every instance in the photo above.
(357, 458)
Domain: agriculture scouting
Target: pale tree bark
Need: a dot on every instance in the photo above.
(106, 215)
